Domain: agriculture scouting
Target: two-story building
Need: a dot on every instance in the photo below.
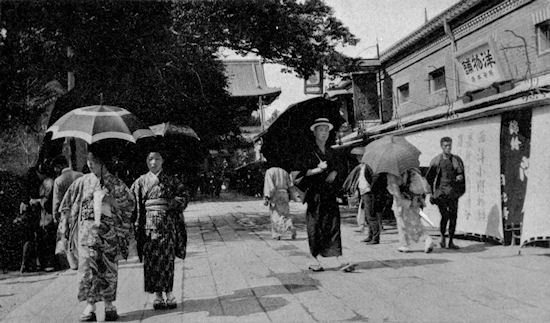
(479, 73)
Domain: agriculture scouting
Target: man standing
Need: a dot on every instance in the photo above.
(446, 179)
(65, 177)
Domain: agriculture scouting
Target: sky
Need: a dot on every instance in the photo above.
(386, 20)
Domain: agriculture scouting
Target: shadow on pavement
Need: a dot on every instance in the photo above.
(478, 247)
(242, 302)
(399, 263)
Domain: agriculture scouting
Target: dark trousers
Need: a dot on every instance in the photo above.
(448, 209)
(373, 217)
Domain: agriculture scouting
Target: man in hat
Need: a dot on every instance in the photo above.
(320, 169)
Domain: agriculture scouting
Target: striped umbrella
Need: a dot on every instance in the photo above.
(98, 122)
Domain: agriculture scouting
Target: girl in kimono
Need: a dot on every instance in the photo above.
(319, 169)
(276, 185)
(98, 241)
(161, 199)
(409, 191)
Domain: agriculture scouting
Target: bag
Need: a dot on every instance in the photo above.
(181, 237)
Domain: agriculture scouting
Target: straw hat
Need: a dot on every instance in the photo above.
(321, 122)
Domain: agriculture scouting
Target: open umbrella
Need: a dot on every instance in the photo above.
(98, 122)
(391, 154)
(167, 129)
(287, 136)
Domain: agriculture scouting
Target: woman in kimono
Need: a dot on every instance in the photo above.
(409, 191)
(161, 199)
(98, 237)
(318, 170)
(276, 195)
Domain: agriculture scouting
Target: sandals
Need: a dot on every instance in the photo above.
(316, 268)
(111, 314)
(347, 267)
(90, 317)
(159, 304)
(171, 303)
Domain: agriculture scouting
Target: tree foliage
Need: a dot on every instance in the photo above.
(159, 59)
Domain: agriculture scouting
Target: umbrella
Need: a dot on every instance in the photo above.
(98, 122)
(287, 136)
(167, 128)
(391, 154)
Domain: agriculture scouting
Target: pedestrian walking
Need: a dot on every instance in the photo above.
(448, 184)
(318, 170)
(276, 196)
(160, 228)
(65, 177)
(409, 191)
(99, 208)
(36, 221)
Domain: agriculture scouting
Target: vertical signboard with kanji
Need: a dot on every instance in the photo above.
(479, 66)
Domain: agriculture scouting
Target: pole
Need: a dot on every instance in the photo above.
(261, 107)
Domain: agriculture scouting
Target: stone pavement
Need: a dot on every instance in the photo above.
(235, 272)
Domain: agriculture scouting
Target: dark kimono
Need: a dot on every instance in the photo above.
(323, 214)
(161, 229)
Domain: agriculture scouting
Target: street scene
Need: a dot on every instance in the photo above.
(274, 161)
(235, 272)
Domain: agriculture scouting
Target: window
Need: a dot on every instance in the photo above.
(437, 80)
(403, 93)
(543, 31)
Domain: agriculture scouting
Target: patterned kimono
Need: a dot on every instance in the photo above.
(407, 202)
(161, 230)
(276, 184)
(97, 249)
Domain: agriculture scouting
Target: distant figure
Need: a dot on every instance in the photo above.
(447, 182)
(276, 195)
(65, 177)
(37, 221)
(409, 191)
(319, 169)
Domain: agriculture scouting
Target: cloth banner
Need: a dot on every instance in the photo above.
(477, 142)
(536, 222)
(515, 143)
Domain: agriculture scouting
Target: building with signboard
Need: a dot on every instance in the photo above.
(480, 73)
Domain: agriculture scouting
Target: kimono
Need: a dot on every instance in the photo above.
(97, 249)
(276, 185)
(161, 231)
(323, 214)
(408, 193)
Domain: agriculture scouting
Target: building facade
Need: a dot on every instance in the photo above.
(480, 73)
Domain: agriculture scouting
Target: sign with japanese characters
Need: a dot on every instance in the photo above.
(515, 137)
(477, 143)
(478, 67)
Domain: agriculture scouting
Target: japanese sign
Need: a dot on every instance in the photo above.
(479, 67)
(314, 83)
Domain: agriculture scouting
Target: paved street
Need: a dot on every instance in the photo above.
(235, 272)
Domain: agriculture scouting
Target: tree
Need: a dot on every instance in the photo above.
(156, 58)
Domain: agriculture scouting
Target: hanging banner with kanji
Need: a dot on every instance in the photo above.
(515, 146)
(536, 221)
(479, 67)
(477, 143)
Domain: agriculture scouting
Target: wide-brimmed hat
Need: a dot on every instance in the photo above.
(321, 122)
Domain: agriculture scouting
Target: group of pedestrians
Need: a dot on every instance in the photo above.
(319, 175)
(88, 221)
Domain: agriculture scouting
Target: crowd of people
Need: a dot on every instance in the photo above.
(86, 221)
(319, 176)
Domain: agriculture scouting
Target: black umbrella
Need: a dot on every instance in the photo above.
(288, 136)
